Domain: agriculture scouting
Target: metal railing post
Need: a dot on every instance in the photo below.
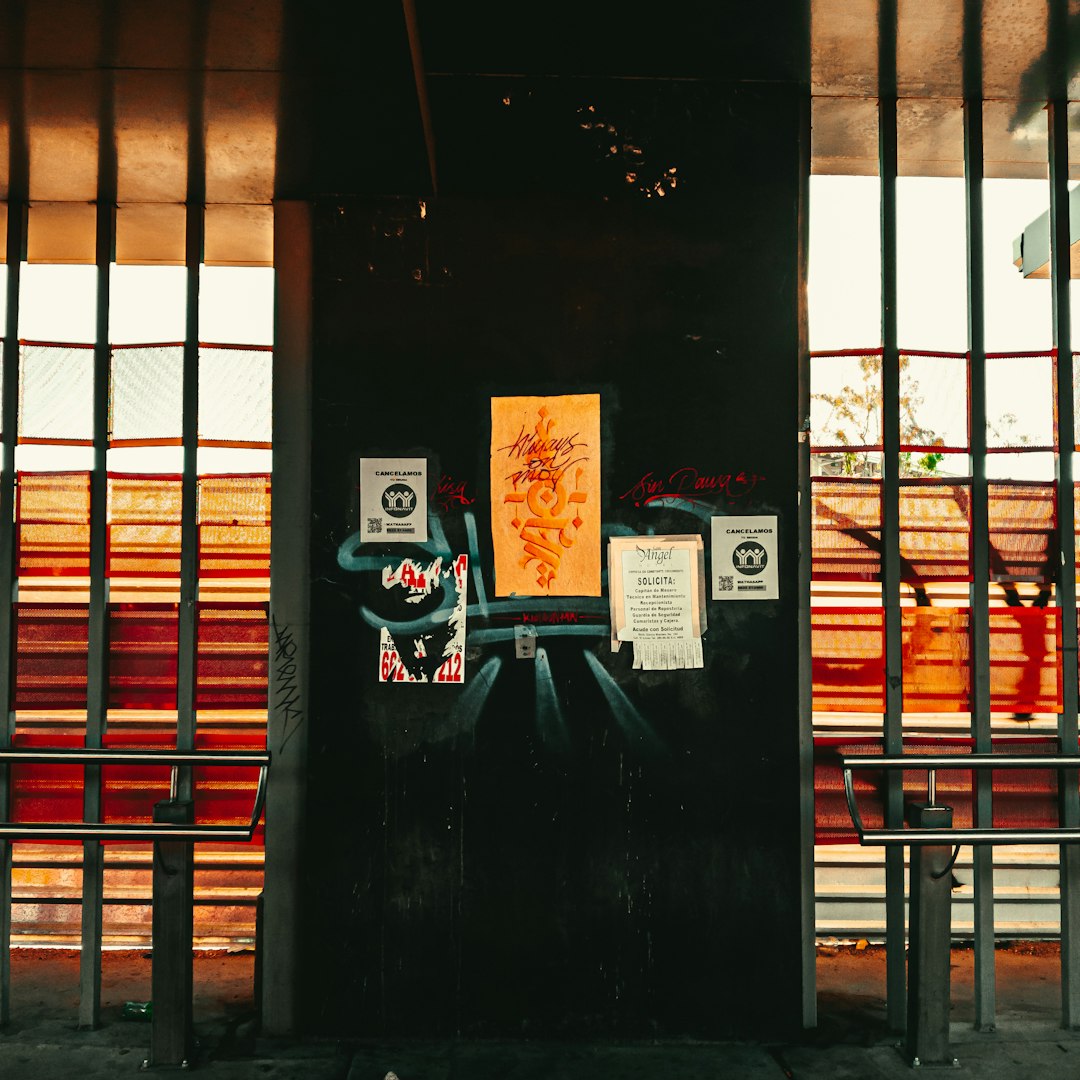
(929, 834)
(172, 930)
(930, 939)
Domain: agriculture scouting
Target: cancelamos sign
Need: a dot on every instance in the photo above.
(744, 560)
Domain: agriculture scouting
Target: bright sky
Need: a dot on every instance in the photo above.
(845, 299)
(147, 305)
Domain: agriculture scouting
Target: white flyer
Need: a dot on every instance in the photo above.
(658, 599)
(393, 499)
(744, 559)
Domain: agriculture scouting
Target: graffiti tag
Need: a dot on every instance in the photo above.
(449, 492)
(690, 483)
(286, 682)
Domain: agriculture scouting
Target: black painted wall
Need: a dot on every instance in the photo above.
(632, 869)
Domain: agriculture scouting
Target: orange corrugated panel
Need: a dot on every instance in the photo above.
(846, 529)
(144, 525)
(935, 531)
(848, 649)
(1025, 659)
(935, 651)
(1023, 520)
(234, 526)
(53, 524)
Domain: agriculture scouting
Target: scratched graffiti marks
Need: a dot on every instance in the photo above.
(286, 682)
(436, 653)
(545, 466)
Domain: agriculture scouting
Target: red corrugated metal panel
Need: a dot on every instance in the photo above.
(848, 649)
(233, 660)
(51, 655)
(46, 792)
(142, 656)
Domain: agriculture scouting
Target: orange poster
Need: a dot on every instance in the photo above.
(545, 495)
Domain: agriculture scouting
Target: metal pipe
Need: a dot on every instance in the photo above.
(81, 756)
(958, 761)
(931, 786)
(994, 837)
(52, 830)
(260, 800)
(853, 808)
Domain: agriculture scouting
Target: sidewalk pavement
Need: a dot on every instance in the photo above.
(849, 1043)
(1046, 1054)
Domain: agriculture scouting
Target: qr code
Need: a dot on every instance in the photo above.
(374, 525)
(726, 584)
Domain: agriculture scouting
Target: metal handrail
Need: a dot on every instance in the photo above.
(960, 762)
(176, 759)
(77, 755)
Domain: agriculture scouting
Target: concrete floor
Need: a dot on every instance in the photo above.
(850, 1043)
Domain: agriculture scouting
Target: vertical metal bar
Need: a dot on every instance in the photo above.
(9, 402)
(187, 630)
(1066, 586)
(982, 855)
(890, 513)
(18, 194)
(806, 716)
(97, 683)
(189, 534)
(290, 540)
